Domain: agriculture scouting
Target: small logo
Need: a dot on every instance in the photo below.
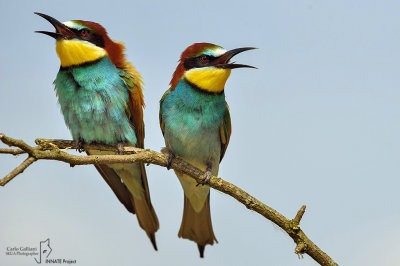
(40, 254)
(45, 250)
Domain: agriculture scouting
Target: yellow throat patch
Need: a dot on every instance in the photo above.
(73, 52)
(210, 79)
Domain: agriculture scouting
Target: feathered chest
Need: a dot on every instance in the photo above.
(192, 121)
(93, 100)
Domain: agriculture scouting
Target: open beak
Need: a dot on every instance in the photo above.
(223, 60)
(62, 31)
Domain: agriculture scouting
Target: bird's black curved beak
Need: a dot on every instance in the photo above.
(62, 31)
(223, 60)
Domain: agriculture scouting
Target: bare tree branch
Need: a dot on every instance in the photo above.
(52, 150)
(299, 215)
(30, 160)
(12, 151)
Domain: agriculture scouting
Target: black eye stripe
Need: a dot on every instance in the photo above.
(198, 61)
(90, 37)
(75, 31)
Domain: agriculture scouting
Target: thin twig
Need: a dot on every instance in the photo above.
(51, 150)
(299, 215)
(12, 151)
(18, 170)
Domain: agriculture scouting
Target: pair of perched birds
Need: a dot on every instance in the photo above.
(101, 98)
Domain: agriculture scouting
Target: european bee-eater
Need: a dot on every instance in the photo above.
(196, 124)
(101, 98)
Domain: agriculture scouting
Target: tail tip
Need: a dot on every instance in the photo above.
(153, 240)
(201, 250)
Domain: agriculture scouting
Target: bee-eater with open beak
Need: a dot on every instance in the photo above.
(101, 98)
(196, 125)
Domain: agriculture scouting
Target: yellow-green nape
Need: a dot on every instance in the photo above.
(75, 24)
(210, 79)
(76, 52)
(214, 51)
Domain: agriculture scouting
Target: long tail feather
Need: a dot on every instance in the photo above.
(116, 185)
(197, 226)
(145, 213)
(129, 183)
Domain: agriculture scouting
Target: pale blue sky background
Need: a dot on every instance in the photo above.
(316, 124)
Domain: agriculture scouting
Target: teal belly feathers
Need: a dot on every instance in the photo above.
(93, 99)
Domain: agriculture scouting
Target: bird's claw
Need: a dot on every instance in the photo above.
(119, 148)
(169, 156)
(207, 175)
(80, 147)
(206, 178)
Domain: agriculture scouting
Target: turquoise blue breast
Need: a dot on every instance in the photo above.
(93, 99)
(191, 122)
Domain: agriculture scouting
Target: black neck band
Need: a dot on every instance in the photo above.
(83, 64)
(197, 88)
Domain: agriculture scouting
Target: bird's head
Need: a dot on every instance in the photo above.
(80, 42)
(207, 66)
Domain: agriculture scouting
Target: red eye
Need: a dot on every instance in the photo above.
(204, 59)
(84, 32)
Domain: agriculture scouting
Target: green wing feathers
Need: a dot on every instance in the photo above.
(159, 114)
(134, 109)
(225, 131)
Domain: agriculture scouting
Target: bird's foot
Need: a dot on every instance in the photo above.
(119, 148)
(170, 156)
(80, 143)
(206, 179)
(207, 175)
